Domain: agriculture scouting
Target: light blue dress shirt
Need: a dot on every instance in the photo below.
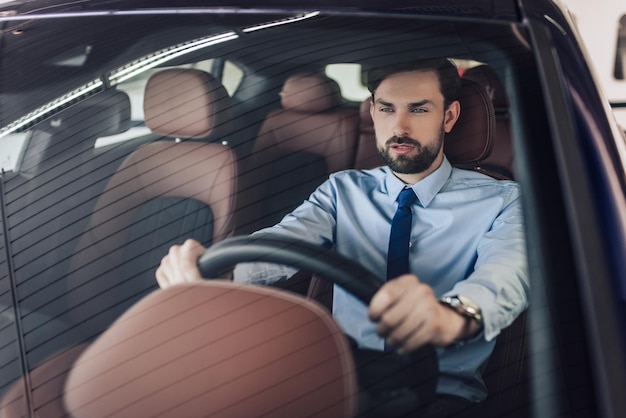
(467, 239)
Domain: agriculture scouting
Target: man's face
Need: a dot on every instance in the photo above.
(410, 121)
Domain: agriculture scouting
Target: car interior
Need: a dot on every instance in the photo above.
(211, 164)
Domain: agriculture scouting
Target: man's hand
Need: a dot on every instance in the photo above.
(409, 315)
(180, 264)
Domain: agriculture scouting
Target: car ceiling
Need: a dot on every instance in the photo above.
(34, 54)
(478, 8)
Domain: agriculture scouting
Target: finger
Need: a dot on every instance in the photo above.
(180, 264)
(436, 325)
(410, 313)
(413, 331)
(418, 336)
(381, 302)
(413, 341)
(400, 320)
(161, 276)
(166, 272)
(388, 295)
(187, 260)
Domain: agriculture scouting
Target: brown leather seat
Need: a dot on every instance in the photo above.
(163, 193)
(298, 146)
(366, 153)
(216, 348)
(501, 157)
(47, 383)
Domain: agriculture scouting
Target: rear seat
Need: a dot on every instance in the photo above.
(298, 146)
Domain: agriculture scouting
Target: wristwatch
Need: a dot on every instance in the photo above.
(466, 307)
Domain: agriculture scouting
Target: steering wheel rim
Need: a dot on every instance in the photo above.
(327, 264)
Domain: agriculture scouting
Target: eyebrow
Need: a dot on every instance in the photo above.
(411, 105)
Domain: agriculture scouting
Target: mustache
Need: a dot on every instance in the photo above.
(402, 140)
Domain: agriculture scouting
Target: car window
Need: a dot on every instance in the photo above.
(11, 147)
(231, 77)
(70, 186)
(94, 192)
(349, 78)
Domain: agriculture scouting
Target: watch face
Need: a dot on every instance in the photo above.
(468, 305)
(465, 307)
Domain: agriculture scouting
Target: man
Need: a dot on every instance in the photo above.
(466, 274)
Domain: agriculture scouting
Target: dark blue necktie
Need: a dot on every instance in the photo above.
(398, 255)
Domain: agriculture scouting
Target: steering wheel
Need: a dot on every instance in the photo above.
(328, 265)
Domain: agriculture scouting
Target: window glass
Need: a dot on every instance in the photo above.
(231, 77)
(348, 76)
(464, 65)
(10, 150)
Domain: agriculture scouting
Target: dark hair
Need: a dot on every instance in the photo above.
(447, 73)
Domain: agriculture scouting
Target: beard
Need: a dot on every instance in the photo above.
(418, 162)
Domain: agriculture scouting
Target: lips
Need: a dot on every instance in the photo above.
(402, 148)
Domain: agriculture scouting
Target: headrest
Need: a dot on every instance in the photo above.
(471, 139)
(216, 348)
(186, 103)
(489, 80)
(366, 124)
(310, 93)
(364, 112)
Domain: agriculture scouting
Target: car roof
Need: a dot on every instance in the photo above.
(500, 9)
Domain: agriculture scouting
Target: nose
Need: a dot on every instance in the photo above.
(401, 125)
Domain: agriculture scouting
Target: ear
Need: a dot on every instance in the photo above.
(451, 115)
(372, 109)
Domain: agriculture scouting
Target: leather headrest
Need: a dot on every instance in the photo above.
(489, 80)
(310, 93)
(366, 124)
(216, 348)
(186, 103)
(471, 139)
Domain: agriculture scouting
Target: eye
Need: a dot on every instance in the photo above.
(419, 110)
(385, 109)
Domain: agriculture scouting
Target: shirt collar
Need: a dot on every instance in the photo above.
(425, 189)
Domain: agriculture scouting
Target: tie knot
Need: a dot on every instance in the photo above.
(406, 198)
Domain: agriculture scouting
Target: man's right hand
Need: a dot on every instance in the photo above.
(180, 265)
